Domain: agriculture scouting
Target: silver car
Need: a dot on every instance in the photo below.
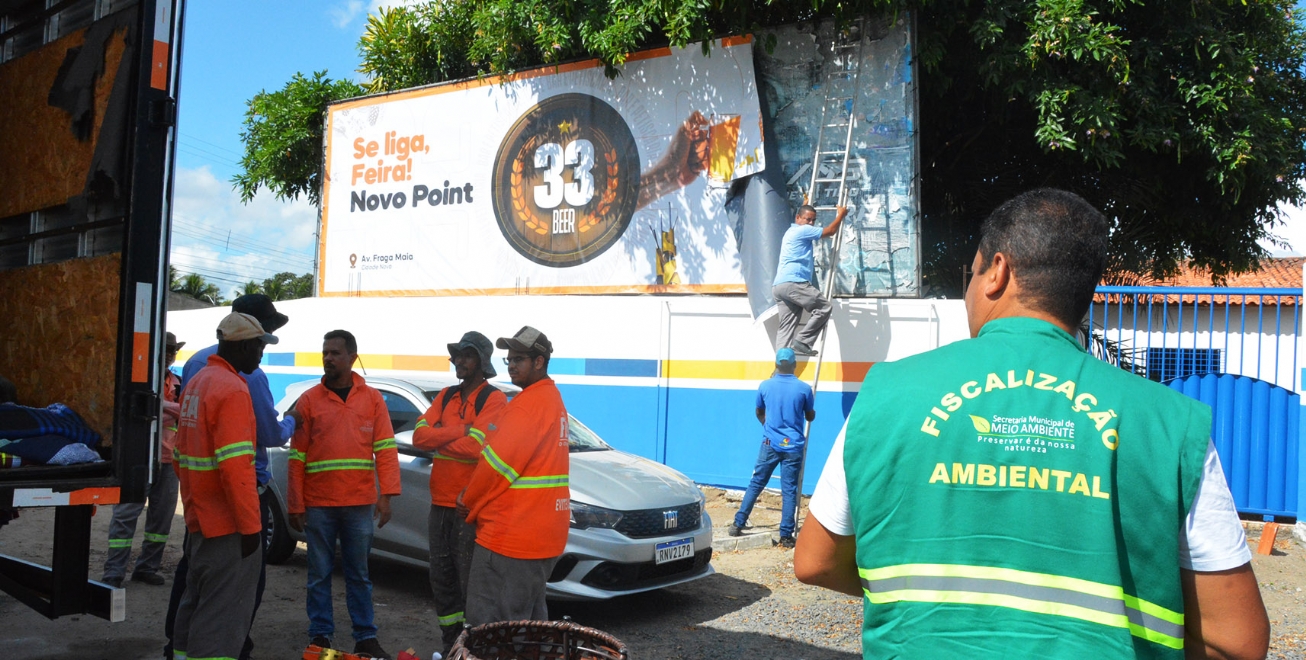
(636, 525)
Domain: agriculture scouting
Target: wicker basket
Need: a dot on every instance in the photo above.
(536, 640)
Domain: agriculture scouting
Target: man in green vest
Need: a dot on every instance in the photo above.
(1012, 496)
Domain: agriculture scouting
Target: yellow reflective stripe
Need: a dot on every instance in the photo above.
(421, 424)
(120, 543)
(452, 619)
(233, 450)
(296, 455)
(196, 463)
(381, 445)
(477, 435)
(441, 457)
(339, 464)
(156, 538)
(499, 465)
(1023, 590)
(549, 481)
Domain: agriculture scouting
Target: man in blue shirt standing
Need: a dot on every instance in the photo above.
(270, 431)
(784, 403)
(793, 288)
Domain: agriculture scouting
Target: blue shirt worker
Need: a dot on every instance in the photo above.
(784, 404)
(270, 433)
(793, 288)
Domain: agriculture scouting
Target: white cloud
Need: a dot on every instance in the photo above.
(228, 242)
(343, 14)
(1292, 230)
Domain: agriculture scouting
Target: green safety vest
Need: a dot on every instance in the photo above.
(1013, 496)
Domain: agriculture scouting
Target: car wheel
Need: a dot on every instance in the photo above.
(281, 546)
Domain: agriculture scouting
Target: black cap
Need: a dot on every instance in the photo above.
(527, 339)
(260, 307)
(481, 344)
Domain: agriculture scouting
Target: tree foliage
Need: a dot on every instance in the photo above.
(282, 286)
(283, 137)
(1183, 121)
(195, 286)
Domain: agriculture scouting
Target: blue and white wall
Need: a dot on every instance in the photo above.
(669, 378)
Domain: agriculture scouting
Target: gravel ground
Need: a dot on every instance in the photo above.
(752, 608)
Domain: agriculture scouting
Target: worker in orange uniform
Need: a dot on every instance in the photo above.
(518, 496)
(447, 429)
(344, 443)
(214, 461)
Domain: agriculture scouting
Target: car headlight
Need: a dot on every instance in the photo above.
(584, 516)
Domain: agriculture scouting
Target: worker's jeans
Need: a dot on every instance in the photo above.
(352, 525)
(767, 460)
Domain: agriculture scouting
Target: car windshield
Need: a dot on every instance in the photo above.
(580, 438)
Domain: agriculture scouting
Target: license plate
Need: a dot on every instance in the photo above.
(673, 550)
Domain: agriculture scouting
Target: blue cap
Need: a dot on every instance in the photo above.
(785, 355)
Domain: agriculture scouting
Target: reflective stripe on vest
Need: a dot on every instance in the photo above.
(388, 443)
(441, 457)
(313, 467)
(550, 481)
(1022, 590)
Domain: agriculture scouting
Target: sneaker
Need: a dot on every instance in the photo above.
(786, 542)
(803, 349)
(115, 582)
(734, 530)
(148, 578)
(370, 648)
(320, 641)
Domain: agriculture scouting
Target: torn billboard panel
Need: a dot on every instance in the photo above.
(880, 254)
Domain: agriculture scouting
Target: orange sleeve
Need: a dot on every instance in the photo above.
(298, 455)
(468, 447)
(493, 475)
(385, 452)
(234, 433)
(429, 435)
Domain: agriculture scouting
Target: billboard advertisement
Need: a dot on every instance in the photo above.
(553, 180)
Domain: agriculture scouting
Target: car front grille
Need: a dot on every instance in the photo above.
(620, 577)
(648, 523)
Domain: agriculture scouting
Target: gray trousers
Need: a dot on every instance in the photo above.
(506, 589)
(216, 609)
(158, 523)
(794, 298)
(452, 544)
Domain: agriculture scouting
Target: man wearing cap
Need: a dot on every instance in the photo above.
(784, 405)
(518, 496)
(792, 287)
(214, 462)
(162, 496)
(343, 447)
(271, 433)
(447, 430)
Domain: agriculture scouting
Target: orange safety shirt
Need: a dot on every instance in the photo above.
(518, 495)
(341, 448)
(214, 453)
(447, 430)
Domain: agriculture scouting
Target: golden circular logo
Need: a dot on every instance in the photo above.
(566, 180)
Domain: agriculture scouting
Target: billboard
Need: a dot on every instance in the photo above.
(553, 180)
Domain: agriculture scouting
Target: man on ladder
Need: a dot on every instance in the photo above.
(793, 288)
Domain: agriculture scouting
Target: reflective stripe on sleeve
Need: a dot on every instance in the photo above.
(500, 466)
(313, 467)
(388, 443)
(477, 435)
(441, 457)
(421, 424)
(233, 450)
(1022, 590)
(296, 455)
(195, 463)
(549, 481)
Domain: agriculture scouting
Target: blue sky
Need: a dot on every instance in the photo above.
(232, 50)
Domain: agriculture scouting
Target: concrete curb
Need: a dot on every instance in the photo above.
(744, 542)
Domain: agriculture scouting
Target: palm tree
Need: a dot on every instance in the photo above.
(248, 288)
(195, 286)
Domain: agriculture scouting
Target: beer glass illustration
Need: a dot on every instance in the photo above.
(723, 142)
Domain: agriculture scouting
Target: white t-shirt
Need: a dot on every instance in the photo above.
(1212, 538)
